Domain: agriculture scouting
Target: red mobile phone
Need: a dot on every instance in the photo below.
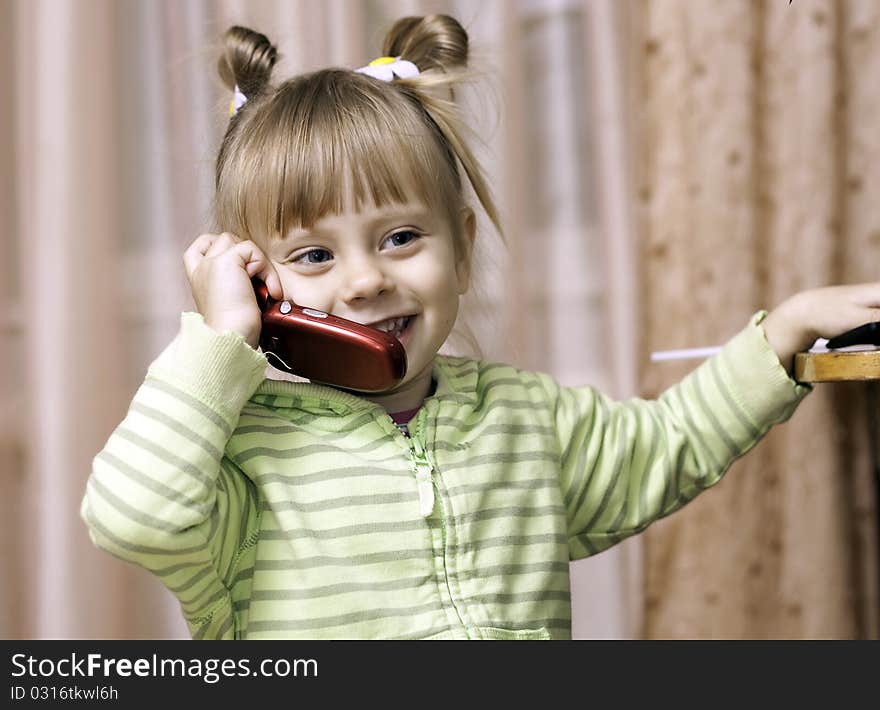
(327, 349)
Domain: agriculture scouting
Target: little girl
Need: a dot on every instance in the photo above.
(450, 506)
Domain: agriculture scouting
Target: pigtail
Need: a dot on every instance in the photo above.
(438, 46)
(247, 61)
(433, 42)
(245, 64)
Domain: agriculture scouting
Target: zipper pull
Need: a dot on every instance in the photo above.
(423, 477)
(426, 488)
(423, 468)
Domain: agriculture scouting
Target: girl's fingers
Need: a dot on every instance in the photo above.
(251, 257)
(221, 243)
(269, 276)
(871, 295)
(207, 246)
(258, 265)
(195, 252)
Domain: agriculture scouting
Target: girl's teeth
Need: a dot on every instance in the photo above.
(392, 326)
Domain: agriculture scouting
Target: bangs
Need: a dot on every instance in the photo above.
(332, 136)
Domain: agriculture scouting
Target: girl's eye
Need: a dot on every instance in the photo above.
(313, 256)
(401, 239)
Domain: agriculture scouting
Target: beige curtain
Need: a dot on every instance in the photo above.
(757, 177)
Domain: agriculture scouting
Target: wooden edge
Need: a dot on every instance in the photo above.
(837, 367)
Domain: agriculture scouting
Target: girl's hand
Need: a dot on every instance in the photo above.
(219, 268)
(795, 324)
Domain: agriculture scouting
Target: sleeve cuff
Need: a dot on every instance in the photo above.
(221, 369)
(758, 380)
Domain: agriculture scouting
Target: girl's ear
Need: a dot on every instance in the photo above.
(465, 250)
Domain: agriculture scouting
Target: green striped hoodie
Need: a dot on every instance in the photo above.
(274, 509)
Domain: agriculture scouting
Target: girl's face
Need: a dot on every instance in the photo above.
(395, 268)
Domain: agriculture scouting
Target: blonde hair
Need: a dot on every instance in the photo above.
(291, 152)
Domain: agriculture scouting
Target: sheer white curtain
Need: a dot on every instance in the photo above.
(107, 157)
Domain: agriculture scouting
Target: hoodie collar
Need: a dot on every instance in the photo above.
(456, 379)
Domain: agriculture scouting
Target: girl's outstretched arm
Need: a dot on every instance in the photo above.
(627, 464)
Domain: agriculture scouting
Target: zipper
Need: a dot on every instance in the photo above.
(424, 469)
(424, 476)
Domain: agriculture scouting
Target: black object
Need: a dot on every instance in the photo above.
(867, 334)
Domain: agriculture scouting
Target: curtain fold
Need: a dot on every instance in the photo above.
(69, 219)
(745, 195)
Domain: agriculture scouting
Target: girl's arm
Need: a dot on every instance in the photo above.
(627, 464)
(161, 493)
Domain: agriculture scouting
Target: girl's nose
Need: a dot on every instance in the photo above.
(365, 281)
